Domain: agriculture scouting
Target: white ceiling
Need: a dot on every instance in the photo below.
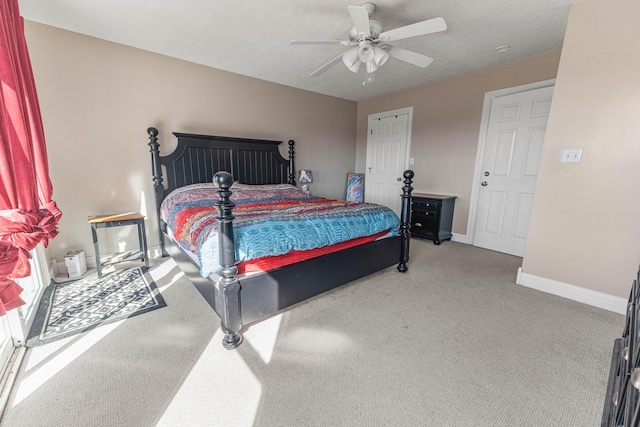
(251, 37)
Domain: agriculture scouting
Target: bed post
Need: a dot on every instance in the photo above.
(158, 188)
(292, 169)
(230, 317)
(405, 220)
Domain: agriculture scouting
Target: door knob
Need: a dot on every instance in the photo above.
(484, 183)
(486, 173)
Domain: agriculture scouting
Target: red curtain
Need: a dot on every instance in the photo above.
(27, 214)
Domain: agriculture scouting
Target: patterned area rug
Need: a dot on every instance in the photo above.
(70, 308)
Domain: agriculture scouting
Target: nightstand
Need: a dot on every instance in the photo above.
(117, 220)
(432, 216)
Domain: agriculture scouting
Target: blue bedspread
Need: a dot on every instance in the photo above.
(269, 220)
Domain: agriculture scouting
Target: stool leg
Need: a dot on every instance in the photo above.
(96, 248)
(142, 236)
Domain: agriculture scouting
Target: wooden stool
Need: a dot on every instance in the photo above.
(116, 220)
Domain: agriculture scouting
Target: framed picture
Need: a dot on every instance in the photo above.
(355, 187)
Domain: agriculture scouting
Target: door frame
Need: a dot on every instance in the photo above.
(482, 139)
(409, 112)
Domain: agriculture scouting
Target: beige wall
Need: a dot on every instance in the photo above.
(98, 98)
(446, 126)
(585, 225)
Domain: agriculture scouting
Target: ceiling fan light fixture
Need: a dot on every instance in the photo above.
(380, 56)
(356, 66)
(351, 60)
(366, 51)
(371, 67)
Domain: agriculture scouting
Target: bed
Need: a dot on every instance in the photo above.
(242, 299)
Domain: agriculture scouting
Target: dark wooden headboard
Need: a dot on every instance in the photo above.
(198, 157)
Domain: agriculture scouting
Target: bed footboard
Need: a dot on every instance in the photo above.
(229, 287)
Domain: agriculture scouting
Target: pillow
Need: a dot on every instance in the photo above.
(263, 187)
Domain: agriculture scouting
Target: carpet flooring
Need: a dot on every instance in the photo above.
(452, 342)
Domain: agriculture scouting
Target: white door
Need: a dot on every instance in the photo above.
(387, 148)
(509, 169)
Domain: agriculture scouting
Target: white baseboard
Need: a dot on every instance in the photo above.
(58, 267)
(565, 290)
(460, 238)
(572, 292)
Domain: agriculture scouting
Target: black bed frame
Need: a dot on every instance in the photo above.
(239, 301)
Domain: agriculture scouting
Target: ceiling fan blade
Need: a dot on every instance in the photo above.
(413, 58)
(326, 66)
(360, 18)
(317, 42)
(418, 29)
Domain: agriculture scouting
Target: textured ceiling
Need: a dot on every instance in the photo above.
(252, 37)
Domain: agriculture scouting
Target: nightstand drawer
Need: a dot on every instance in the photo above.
(424, 216)
(424, 228)
(425, 205)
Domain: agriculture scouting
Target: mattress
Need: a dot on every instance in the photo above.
(271, 221)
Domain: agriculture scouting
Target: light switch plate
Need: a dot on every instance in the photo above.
(571, 156)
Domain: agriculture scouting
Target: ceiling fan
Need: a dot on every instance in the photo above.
(370, 44)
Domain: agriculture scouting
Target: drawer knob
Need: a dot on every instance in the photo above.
(417, 224)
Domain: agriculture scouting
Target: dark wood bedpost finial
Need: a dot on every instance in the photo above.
(405, 220)
(230, 318)
(292, 169)
(158, 188)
